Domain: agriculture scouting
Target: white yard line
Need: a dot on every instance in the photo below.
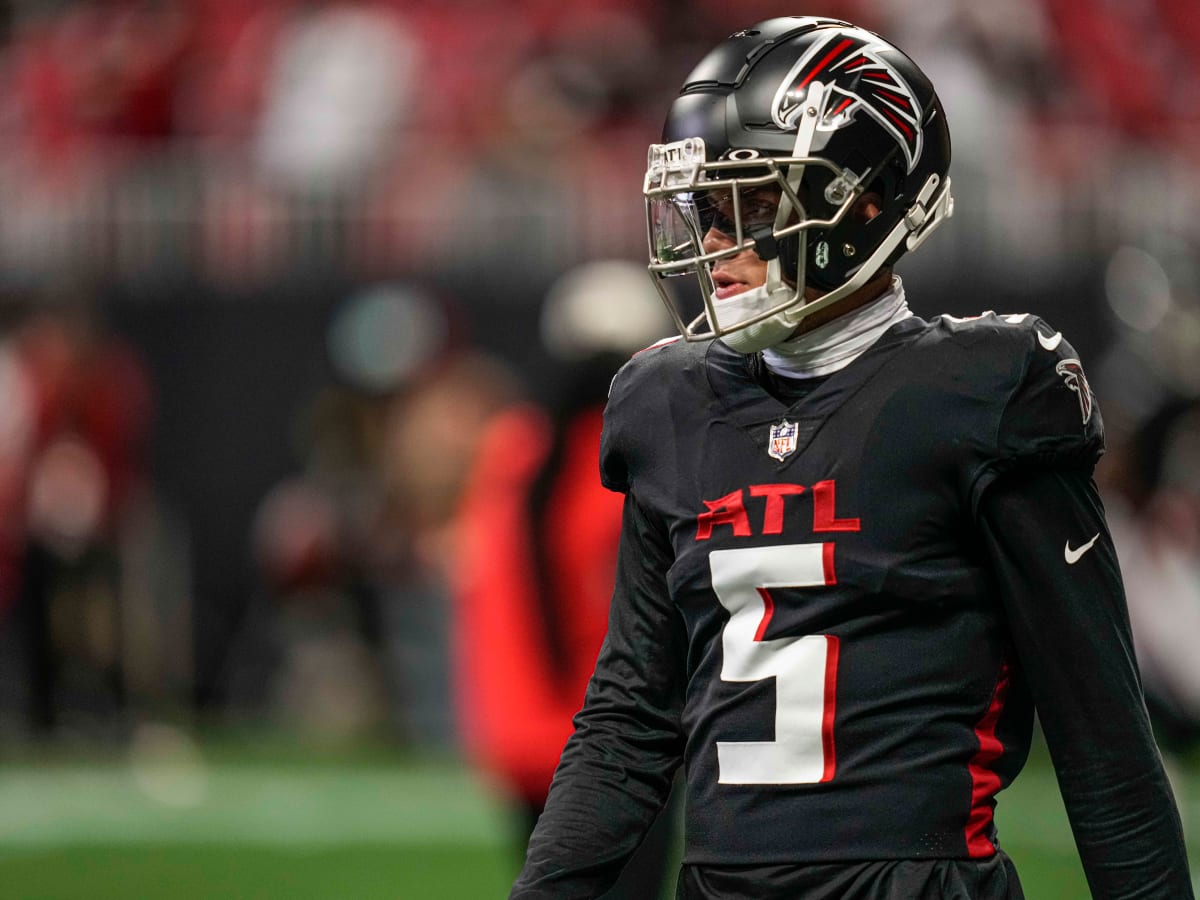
(81, 804)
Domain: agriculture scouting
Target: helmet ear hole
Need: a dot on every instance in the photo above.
(886, 185)
(867, 207)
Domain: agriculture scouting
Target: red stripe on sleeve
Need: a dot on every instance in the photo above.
(985, 782)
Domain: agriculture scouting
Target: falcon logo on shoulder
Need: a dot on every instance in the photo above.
(1072, 373)
(861, 79)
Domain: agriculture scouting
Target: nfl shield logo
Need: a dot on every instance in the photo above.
(782, 440)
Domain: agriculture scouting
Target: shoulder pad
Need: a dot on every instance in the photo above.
(639, 400)
(987, 322)
(653, 362)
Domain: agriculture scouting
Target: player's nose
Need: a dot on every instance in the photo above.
(715, 240)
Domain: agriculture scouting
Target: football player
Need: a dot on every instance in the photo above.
(859, 548)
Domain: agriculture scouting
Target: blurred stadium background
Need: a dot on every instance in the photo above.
(269, 270)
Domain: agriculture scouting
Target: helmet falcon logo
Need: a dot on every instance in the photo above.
(1072, 373)
(850, 62)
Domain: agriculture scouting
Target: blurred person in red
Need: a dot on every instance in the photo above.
(1131, 91)
(75, 414)
(87, 74)
(535, 556)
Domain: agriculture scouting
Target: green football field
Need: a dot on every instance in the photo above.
(254, 824)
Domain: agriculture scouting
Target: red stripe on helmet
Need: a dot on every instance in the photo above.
(895, 98)
(900, 123)
(836, 51)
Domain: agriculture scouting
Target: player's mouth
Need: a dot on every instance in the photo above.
(727, 286)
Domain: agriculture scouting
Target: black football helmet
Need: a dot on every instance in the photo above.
(815, 112)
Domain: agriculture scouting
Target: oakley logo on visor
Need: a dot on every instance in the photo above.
(860, 79)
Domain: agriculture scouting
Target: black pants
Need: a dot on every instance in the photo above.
(902, 879)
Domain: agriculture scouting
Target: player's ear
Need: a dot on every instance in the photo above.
(867, 207)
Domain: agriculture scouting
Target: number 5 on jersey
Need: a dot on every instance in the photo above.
(804, 668)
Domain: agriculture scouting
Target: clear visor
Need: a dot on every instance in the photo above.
(679, 220)
(740, 209)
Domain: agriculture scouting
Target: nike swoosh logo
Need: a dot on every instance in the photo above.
(1050, 343)
(1073, 556)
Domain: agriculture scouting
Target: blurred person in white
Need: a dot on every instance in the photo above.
(842, 586)
(339, 89)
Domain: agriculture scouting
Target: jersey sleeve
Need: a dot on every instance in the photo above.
(1060, 585)
(1049, 416)
(618, 765)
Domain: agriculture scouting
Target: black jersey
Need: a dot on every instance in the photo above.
(811, 614)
